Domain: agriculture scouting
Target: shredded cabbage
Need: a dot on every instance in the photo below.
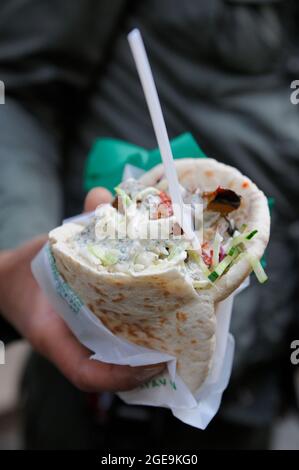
(146, 192)
(126, 200)
(107, 257)
(216, 249)
(201, 284)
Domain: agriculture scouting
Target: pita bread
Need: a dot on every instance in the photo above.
(162, 310)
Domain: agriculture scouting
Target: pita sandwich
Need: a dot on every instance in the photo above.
(135, 270)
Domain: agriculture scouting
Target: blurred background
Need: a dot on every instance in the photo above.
(224, 70)
(285, 429)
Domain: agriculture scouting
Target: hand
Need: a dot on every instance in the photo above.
(23, 304)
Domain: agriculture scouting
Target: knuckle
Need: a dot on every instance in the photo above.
(123, 378)
(38, 338)
(81, 380)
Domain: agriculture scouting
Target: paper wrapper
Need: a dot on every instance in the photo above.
(166, 390)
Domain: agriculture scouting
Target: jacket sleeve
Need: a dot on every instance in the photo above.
(46, 59)
(40, 74)
(48, 51)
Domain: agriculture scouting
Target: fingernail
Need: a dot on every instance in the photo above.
(148, 372)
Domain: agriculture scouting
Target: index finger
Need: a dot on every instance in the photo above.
(73, 359)
(95, 197)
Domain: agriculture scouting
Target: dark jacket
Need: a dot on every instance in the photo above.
(223, 72)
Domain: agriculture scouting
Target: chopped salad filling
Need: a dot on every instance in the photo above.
(139, 233)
